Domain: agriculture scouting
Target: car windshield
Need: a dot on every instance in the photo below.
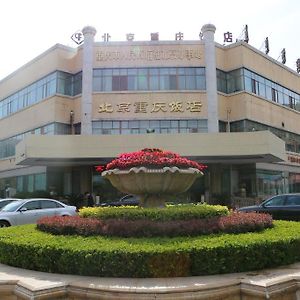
(12, 206)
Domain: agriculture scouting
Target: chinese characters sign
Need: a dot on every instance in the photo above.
(149, 55)
(155, 107)
(294, 159)
(228, 37)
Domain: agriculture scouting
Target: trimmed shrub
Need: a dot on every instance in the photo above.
(69, 225)
(26, 247)
(170, 213)
(234, 223)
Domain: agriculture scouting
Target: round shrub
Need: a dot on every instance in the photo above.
(27, 247)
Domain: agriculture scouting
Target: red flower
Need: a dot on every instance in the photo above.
(152, 157)
(100, 168)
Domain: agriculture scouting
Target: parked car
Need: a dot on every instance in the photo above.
(127, 200)
(30, 210)
(5, 201)
(282, 207)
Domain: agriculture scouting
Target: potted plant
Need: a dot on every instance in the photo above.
(152, 174)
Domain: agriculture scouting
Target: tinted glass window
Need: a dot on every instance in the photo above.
(293, 200)
(31, 205)
(49, 204)
(279, 200)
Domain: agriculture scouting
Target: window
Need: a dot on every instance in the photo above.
(31, 205)
(276, 201)
(146, 126)
(261, 88)
(190, 83)
(7, 146)
(50, 204)
(254, 86)
(40, 182)
(173, 82)
(56, 82)
(120, 83)
(293, 200)
(144, 79)
(183, 123)
(292, 102)
(292, 140)
(268, 90)
(77, 84)
(274, 95)
(243, 79)
(133, 124)
(20, 183)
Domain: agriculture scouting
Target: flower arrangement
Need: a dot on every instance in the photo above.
(151, 158)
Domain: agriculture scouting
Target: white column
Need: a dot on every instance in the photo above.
(208, 32)
(87, 80)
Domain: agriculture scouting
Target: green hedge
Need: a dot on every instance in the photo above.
(170, 213)
(26, 247)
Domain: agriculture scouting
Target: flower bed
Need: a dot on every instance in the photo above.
(152, 158)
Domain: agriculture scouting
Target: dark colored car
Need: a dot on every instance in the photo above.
(127, 200)
(281, 207)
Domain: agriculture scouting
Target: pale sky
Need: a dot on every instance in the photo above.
(30, 27)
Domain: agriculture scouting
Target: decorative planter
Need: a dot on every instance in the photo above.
(152, 185)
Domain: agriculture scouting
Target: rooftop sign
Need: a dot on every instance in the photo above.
(135, 54)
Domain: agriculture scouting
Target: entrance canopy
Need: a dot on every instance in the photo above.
(72, 150)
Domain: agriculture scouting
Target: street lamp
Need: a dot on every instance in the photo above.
(72, 122)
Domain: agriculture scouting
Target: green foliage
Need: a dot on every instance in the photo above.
(170, 213)
(26, 247)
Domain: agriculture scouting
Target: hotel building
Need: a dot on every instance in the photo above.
(231, 107)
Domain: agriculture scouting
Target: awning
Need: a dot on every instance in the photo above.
(69, 150)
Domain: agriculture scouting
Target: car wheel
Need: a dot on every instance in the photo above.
(4, 224)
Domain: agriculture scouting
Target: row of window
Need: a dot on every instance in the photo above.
(243, 79)
(24, 183)
(148, 79)
(292, 140)
(149, 126)
(105, 80)
(7, 146)
(54, 83)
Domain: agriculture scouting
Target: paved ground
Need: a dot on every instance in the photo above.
(28, 284)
